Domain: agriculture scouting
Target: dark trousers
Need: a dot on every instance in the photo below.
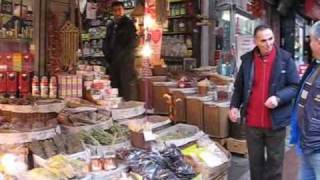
(272, 142)
(123, 77)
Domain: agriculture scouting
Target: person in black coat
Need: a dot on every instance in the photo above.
(17, 18)
(118, 48)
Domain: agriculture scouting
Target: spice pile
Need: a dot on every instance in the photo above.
(19, 124)
(83, 116)
(116, 134)
(58, 167)
(60, 144)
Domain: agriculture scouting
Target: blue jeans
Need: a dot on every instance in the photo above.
(310, 167)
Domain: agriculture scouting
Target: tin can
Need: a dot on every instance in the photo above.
(44, 87)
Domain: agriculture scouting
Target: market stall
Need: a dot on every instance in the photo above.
(70, 123)
(84, 140)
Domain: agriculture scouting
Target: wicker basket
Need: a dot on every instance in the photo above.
(34, 116)
(34, 112)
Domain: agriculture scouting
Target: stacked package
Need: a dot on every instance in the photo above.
(90, 72)
(98, 86)
(102, 92)
(70, 86)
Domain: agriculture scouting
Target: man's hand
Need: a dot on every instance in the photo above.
(272, 102)
(233, 114)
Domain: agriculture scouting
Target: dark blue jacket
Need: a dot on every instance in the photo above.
(308, 118)
(284, 83)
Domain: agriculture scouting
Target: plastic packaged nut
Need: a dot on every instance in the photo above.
(109, 161)
(96, 164)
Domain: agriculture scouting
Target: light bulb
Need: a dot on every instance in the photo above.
(146, 50)
(149, 22)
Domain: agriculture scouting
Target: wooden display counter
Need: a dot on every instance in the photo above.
(194, 109)
(145, 89)
(159, 102)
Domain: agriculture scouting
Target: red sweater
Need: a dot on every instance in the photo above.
(258, 114)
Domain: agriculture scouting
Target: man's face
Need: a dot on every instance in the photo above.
(264, 40)
(315, 46)
(17, 11)
(118, 11)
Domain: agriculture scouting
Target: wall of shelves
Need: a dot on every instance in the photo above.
(181, 37)
(17, 42)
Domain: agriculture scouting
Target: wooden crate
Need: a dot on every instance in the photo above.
(159, 102)
(237, 146)
(216, 122)
(179, 110)
(194, 112)
(145, 89)
(221, 141)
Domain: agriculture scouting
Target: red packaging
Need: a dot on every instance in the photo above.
(12, 83)
(27, 64)
(3, 63)
(24, 83)
(3, 83)
(9, 62)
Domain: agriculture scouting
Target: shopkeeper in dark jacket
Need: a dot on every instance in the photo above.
(17, 18)
(118, 48)
(265, 86)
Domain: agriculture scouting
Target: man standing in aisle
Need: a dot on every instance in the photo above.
(308, 113)
(119, 50)
(265, 85)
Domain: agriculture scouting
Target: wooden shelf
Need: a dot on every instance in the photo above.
(173, 57)
(16, 39)
(176, 33)
(91, 57)
(176, 1)
(91, 39)
(180, 17)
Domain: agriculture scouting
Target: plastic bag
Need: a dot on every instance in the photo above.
(174, 159)
(165, 165)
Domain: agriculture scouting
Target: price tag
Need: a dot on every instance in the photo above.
(148, 135)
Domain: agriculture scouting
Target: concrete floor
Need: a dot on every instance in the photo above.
(239, 169)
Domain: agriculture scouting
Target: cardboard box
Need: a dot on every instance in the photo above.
(216, 122)
(237, 146)
(69, 86)
(79, 86)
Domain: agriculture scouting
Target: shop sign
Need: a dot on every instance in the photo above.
(153, 33)
(244, 44)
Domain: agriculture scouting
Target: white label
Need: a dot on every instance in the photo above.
(304, 94)
(149, 136)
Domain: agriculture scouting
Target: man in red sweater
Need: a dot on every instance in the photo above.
(266, 83)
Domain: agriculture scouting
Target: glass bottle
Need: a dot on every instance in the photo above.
(182, 9)
(177, 10)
